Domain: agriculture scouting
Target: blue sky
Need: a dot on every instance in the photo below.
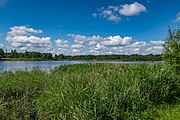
(87, 26)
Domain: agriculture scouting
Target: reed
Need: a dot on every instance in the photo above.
(90, 91)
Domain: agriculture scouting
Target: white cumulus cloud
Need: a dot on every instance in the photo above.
(139, 44)
(132, 9)
(98, 45)
(136, 48)
(159, 42)
(77, 46)
(117, 41)
(116, 13)
(77, 37)
(23, 38)
(92, 43)
(62, 43)
(114, 18)
(155, 50)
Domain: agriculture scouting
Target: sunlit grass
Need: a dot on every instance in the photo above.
(91, 91)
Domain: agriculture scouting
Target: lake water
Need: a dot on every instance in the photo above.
(47, 65)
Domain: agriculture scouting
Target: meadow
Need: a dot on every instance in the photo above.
(91, 92)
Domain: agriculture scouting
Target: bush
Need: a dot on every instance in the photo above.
(171, 54)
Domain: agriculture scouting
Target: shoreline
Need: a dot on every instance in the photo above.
(36, 59)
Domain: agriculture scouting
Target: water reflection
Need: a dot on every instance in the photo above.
(47, 65)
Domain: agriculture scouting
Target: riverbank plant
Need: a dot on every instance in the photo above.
(91, 91)
(171, 54)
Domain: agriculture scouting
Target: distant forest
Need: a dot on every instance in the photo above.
(14, 55)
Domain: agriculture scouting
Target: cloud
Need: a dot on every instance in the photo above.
(117, 13)
(77, 37)
(114, 18)
(98, 45)
(94, 40)
(77, 46)
(92, 43)
(154, 50)
(136, 48)
(117, 41)
(178, 17)
(80, 39)
(62, 43)
(114, 8)
(108, 14)
(139, 44)
(132, 9)
(75, 51)
(23, 31)
(22, 38)
(1, 45)
(160, 42)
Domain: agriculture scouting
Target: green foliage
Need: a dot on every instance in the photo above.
(14, 55)
(134, 57)
(1, 53)
(171, 53)
(35, 56)
(89, 91)
(168, 112)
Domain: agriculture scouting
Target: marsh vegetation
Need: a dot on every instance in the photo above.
(91, 91)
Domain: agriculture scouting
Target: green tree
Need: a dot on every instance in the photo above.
(1, 53)
(55, 57)
(171, 54)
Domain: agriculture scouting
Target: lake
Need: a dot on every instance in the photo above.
(47, 65)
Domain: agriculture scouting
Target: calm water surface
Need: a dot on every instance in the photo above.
(47, 65)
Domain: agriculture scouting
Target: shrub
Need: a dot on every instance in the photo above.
(171, 54)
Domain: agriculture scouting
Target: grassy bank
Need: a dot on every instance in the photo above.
(91, 91)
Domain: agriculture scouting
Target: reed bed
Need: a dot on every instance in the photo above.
(91, 92)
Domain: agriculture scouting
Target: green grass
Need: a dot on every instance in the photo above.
(91, 91)
(165, 112)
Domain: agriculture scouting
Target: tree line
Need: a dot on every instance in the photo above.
(13, 55)
(134, 57)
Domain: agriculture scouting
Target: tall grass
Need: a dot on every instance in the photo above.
(89, 91)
